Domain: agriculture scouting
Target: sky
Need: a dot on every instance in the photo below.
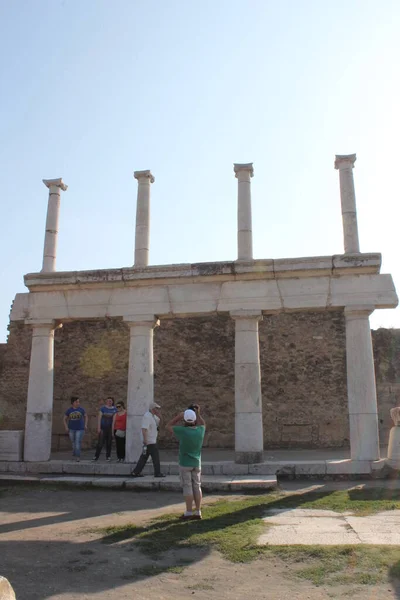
(94, 90)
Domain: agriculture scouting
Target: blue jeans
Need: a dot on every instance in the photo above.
(76, 439)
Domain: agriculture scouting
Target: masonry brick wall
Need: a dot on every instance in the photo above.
(302, 364)
(14, 378)
(387, 373)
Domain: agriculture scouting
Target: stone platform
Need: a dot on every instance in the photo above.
(307, 468)
(170, 483)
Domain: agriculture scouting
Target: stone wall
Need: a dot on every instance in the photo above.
(302, 363)
(14, 378)
(387, 372)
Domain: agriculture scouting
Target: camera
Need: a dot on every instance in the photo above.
(193, 407)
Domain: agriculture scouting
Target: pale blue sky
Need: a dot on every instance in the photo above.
(93, 90)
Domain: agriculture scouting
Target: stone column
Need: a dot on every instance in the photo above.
(142, 237)
(140, 379)
(361, 388)
(38, 423)
(245, 232)
(345, 164)
(53, 211)
(249, 439)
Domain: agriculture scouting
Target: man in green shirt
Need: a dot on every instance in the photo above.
(190, 436)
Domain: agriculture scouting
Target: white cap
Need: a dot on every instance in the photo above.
(154, 405)
(189, 416)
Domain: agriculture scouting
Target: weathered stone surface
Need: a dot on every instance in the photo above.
(302, 359)
(11, 445)
(393, 453)
(302, 365)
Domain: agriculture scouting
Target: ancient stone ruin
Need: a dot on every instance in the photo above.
(278, 351)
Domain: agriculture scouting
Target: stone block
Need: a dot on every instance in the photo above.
(250, 295)
(20, 307)
(81, 468)
(142, 484)
(174, 469)
(338, 467)
(216, 484)
(16, 467)
(44, 467)
(360, 467)
(108, 468)
(317, 467)
(356, 263)
(11, 445)
(230, 468)
(194, 298)
(265, 468)
(253, 483)
(360, 290)
(213, 468)
(171, 483)
(298, 294)
(302, 267)
(68, 480)
(377, 465)
(108, 482)
(20, 477)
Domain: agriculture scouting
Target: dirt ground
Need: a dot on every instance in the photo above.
(48, 551)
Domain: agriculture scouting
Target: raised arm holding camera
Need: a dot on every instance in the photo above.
(190, 435)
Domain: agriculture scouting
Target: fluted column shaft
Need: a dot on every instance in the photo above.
(142, 232)
(51, 235)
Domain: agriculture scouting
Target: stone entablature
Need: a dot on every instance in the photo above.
(209, 288)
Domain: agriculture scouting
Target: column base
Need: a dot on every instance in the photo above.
(248, 458)
(37, 447)
(364, 437)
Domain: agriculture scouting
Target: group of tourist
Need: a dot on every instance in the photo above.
(111, 420)
(187, 426)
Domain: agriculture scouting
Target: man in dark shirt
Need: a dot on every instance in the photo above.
(104, 428)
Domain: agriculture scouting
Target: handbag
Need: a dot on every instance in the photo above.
(120, 433)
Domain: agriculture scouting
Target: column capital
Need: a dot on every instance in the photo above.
(345, 161)
(243, 168)
(40, 322)
(140, 175)
(246, 314)
(358, 311)
(150, 321)
(49, 183)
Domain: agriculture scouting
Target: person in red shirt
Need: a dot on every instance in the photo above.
(119, 428)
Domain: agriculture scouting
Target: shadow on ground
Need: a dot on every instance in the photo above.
(104, 559)
(70, 504)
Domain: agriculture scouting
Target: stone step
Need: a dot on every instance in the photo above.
(293, 468)
(171, 483)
